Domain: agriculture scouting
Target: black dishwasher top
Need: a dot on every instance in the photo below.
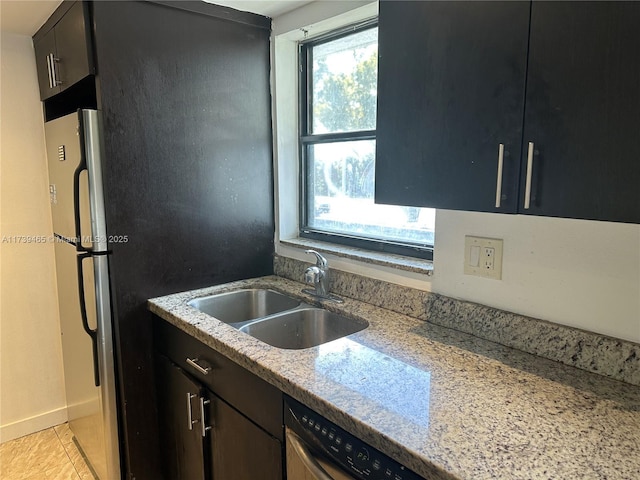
(340, 447)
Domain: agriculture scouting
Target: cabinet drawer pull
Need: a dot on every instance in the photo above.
(205, 427)
(194, 364)
(499, 179)
(527, 188)
(190, 419)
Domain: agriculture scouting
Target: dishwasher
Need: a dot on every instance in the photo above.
(317, 449)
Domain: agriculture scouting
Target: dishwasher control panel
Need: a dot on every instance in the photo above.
(337, 445)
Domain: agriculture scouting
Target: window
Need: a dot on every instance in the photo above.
(338, 142)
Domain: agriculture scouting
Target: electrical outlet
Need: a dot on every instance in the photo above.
(488, 257)
(483, 257)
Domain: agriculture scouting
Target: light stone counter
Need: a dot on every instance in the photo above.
(444, 403)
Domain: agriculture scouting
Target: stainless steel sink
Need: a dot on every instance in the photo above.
(277, 319)
(243, 305)
(303, 328)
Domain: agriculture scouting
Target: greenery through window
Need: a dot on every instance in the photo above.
(338, 122)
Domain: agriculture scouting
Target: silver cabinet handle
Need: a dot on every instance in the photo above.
(499, 179)
(194, 364)
(54, 71)
(190, 419)
(50, 70)
(527, 187)
(51, 67)
(306, 457)
(205, 428)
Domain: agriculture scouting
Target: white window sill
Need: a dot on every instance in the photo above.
(387, 260)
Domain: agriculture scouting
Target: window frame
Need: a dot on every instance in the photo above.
(307, 139)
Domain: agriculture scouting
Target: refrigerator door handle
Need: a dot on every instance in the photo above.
(76, 206)
(76, 186)
(93, 333)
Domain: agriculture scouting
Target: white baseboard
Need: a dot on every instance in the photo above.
(32, 424)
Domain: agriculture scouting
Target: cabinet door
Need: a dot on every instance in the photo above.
(583, 110)
(450, 91)
(44, 48)
(75, 60)
(179, 417)
(240, 450)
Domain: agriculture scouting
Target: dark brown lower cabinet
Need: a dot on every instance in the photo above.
(216, 420)
(239, 449)
(181, 442)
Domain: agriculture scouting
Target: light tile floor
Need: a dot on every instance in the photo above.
(47, 455)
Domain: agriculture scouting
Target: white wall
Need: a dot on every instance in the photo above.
(575, 272)
(579, 273)
(31, 377)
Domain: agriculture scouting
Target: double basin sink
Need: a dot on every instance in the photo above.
(278, 319)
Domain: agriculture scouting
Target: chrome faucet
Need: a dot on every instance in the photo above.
(318, 276)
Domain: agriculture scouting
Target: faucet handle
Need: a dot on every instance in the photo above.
(318, 275)
(312, 275)
(321, 262)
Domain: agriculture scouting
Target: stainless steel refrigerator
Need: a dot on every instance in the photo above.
(74, 154)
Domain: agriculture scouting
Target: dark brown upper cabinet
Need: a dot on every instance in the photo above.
(63, 49)
(450, 91)
(512, 107)
(582, 111)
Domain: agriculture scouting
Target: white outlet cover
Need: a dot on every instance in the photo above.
(474, 265)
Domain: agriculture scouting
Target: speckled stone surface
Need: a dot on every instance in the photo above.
(589, 351)
(407, 301)
(446, 404)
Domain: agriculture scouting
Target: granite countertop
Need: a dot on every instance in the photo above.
(444, 403)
